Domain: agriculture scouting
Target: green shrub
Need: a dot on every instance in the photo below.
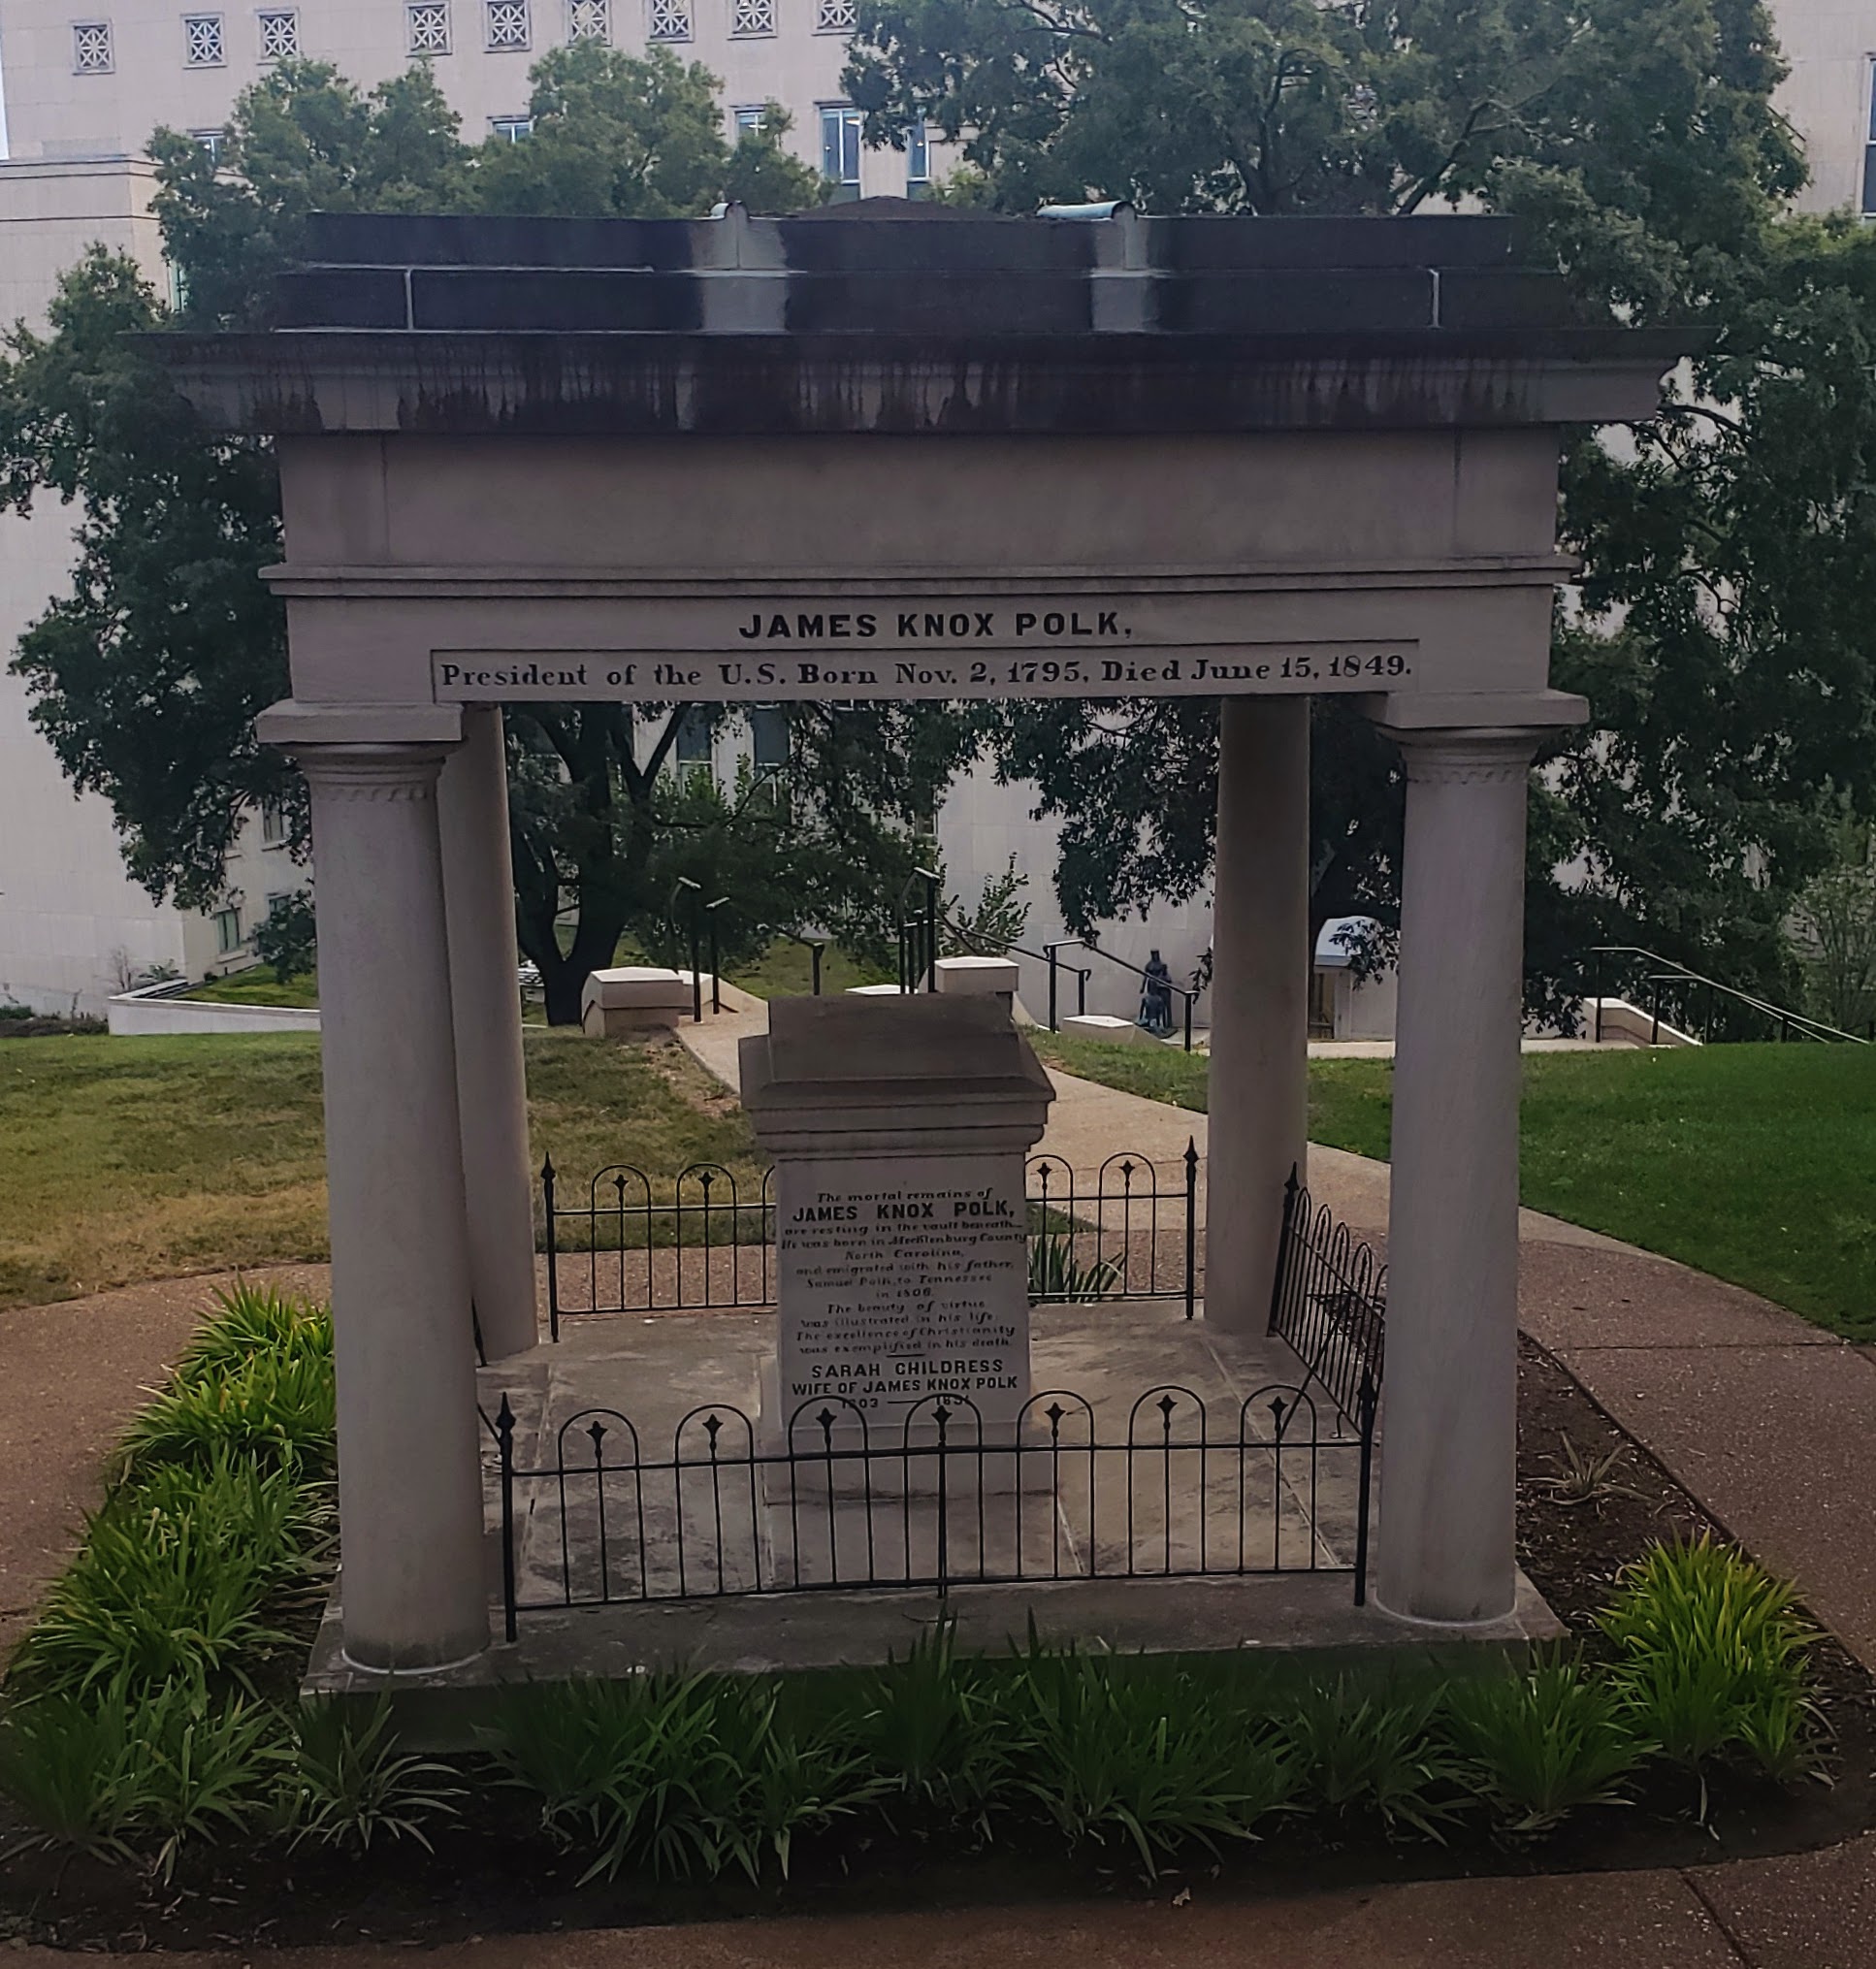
(679, 1774)
(253, 1320)
(1123, 1752)
(1369, 1749)
(1540, 1744)
(174, 1580)
(933, 1729)
(1713, 1659)
(273, 1409)
(64, 1764)
(120, 1772)
(349, 1782)
(1055, 1273)
(199, 1765)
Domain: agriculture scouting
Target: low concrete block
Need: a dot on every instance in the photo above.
(632, 998)
(1103, 1025)
(978, 977)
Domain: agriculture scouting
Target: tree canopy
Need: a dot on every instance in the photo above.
(1727, 548)
(147, 674)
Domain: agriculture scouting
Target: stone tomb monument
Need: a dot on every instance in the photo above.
(899, 1128)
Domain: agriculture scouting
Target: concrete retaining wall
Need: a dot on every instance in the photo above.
(159, 1008)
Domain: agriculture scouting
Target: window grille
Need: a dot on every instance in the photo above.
(202, 42)
(507, 23)
(91, 47)
(835, 16)
(427, 26)
(589, 21)
(670, 19)
(280, 35)
(747, 122)
(752, 17)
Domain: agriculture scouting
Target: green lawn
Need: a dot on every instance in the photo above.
(141, 1158)
(785, 970)
(1757, 1163)
(259, 987)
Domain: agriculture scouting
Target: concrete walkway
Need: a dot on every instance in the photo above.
(75, 1374)
(1815, 1911)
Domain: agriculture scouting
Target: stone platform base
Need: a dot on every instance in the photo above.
(666, 1373)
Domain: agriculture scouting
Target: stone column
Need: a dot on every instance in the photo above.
(1260, 1000)
(491, 1081)
(1450, 1432)
(409, 1474)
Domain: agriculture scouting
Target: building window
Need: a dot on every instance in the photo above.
(507, 23)
(840, 148)
(670, 19)
(589, 21)
(1869, 147)
(280, 35)
(695, 751)
(213, 142)
(202, 45)
(768, 737)
(228, 929)
(91, 47)
(835, 16)
(514, 128)
(272, 824)
(918, 160)
(425, 26)
(745, 123)
(752, 17)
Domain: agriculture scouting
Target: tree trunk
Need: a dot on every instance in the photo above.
(596, 941)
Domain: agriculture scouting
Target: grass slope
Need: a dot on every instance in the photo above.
(258, 986)
(140, 1158)
(1755, 1163)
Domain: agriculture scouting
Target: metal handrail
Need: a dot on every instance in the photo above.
(1189, 996)
(1046, 955)
(986, 947)
(929, 926)
(1674, 971)
(814, 945)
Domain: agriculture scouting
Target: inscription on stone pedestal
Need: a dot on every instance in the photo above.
(903, 1280)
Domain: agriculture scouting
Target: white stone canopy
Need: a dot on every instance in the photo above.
(937, 455)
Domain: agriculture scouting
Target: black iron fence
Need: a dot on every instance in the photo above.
(1330, 1303)
(1127, 1230)
(1188, 1489)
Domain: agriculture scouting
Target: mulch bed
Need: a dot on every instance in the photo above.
(494, 1873)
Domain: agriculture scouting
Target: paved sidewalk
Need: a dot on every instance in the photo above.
(1817, 1910)
(75, 1373)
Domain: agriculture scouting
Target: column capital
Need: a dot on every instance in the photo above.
(372, 772)
(1468, 756)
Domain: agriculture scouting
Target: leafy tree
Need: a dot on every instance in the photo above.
(604, 832)
(147, 675)
(287, 937)
(636, 138)
(1834, 924)
(1727, 548)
